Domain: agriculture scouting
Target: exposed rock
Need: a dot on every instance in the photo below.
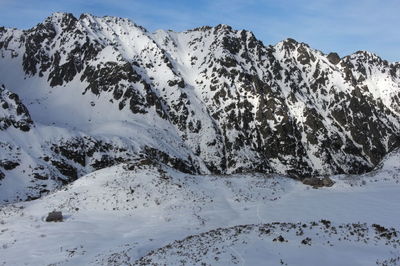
(327, 182)
(177, 163)
(15, 112)
(54, 216)
(306, 241)
(280, 239)
(318, 182)
(334, 58)
(67, 170)
(40, 176)
(8, 165)
(313, 181)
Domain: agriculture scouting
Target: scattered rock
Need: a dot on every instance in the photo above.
(280, 239)
(40, 176)
(306, 241)
(204, 248)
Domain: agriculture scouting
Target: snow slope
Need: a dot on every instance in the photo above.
(125, 213)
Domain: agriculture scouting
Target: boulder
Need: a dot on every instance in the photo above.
(316, 182)
(9, 165)
(313, 181)
(54, 216)
(327, 182)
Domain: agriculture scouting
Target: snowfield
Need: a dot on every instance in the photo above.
(136, 213)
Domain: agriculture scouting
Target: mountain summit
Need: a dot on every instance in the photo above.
(81, 94)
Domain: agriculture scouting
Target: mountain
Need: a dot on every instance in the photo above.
(82, 94)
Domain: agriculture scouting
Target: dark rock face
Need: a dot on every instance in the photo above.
(185, 166)
(236, 104)
(80, 155)
(334, 58)
(14, 112)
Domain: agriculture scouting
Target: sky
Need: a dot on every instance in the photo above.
(342, 26)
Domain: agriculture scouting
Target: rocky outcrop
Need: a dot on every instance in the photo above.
(334, 58)
(13, 112)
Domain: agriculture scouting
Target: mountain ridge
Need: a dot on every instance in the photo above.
(206, 100)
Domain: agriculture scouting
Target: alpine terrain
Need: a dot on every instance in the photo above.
(188, 148)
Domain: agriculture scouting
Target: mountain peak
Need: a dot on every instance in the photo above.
(58, 21)
(366, 56)
(290, 41)
(362, 56)
(59, 17)
(291, 44)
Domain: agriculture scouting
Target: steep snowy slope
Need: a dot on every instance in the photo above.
(92, 92)
(124, 214)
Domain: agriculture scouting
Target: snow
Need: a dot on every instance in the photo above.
(313, 243)
(115, 211)
(118, 216)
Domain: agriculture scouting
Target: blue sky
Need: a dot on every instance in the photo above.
(344, 26)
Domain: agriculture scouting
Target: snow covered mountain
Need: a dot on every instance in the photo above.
(82, 94)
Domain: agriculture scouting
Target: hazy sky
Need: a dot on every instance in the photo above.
(344, 26)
